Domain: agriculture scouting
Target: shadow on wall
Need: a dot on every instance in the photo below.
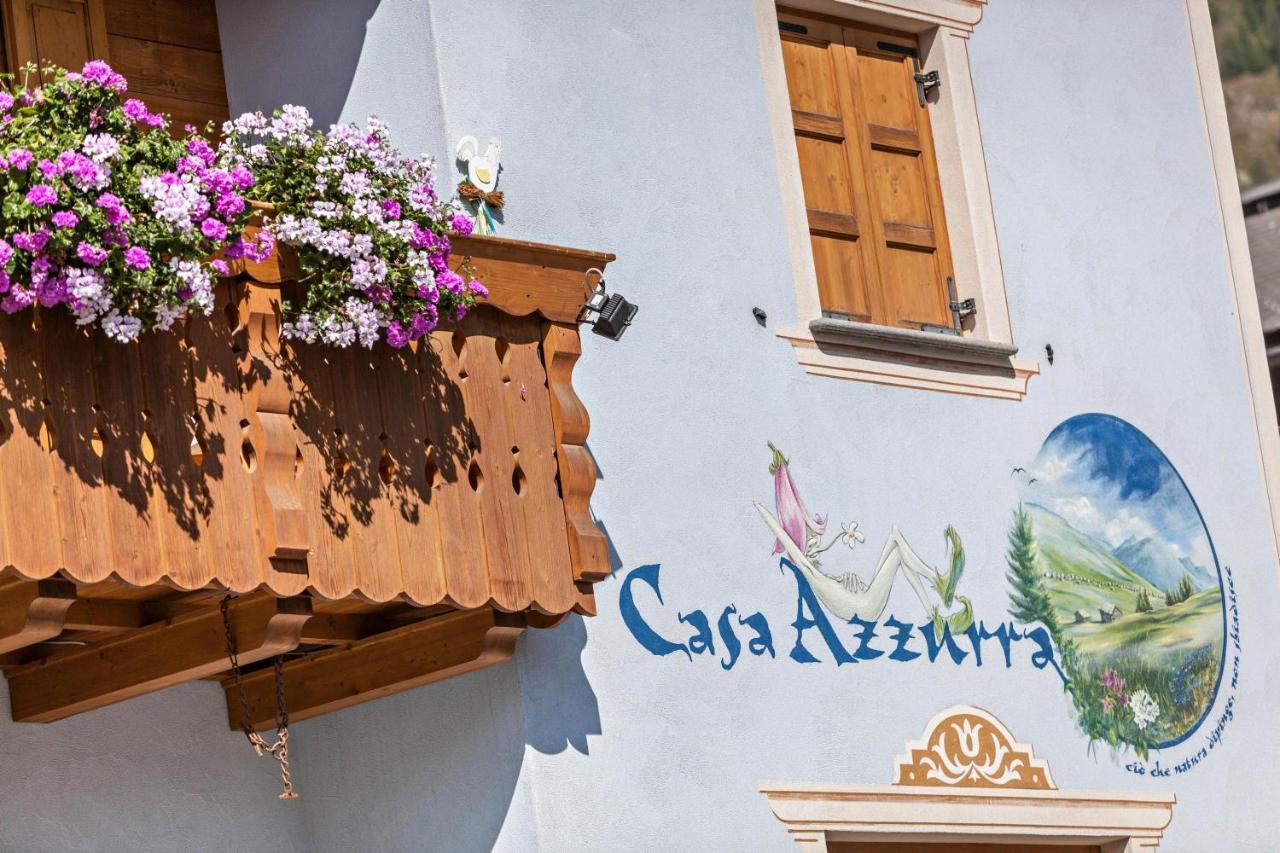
(560, 708)
(314, 66)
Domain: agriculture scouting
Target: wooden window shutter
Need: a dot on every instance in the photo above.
(168, 49)
(819, 80)
(64, 32)
(869, 172)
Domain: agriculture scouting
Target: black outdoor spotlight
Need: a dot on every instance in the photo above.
(612, 311)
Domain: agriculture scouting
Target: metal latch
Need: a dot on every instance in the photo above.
(925, 80)
(965, 307)
(960, 309)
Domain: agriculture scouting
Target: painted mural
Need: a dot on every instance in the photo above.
(1115, 594)
(1109, 552)
(847, 595)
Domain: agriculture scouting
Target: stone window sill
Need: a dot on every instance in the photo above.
(847, 349)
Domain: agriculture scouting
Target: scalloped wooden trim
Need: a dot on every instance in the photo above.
(588, 550)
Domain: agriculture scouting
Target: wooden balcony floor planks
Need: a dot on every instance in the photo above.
(387, 517)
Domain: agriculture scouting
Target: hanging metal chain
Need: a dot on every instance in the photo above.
(280, 749)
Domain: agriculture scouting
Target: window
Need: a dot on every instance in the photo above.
(869, 172)
(888, 213)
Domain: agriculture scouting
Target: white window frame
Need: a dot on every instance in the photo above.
(982, 361)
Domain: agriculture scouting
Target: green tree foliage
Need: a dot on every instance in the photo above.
(1028, 601)
(1249, 35)
(1184, 590)
(1144, 602)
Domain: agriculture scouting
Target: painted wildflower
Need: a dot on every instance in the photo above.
(1145, 709)
(372, 237)
(106, 215)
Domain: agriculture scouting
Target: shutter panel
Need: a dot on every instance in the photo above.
(896, 146)
(818, 80)
(64, 32)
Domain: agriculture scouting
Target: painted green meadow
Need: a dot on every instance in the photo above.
(1137, 620)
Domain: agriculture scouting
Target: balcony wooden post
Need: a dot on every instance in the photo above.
(154, 657)
(387, 663)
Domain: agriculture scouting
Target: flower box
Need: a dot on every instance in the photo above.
(347, 494)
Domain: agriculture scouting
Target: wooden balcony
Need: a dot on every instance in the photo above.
(386, 517)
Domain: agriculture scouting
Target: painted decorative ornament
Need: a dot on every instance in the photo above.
(480, 187)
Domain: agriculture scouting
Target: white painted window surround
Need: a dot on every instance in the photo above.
(983, 361)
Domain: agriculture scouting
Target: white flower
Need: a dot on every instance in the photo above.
(121, 327)
(90, 297)
(1144, 708)
(101, 146)
(850, 535)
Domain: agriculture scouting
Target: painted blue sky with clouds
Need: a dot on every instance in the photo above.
(1110, 481)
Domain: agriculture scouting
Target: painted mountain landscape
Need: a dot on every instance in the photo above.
(1109, 551)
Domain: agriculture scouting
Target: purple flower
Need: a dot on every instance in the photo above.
(6, 102)
(135, 110)
(421, 196)
(136, 257)
(117, 213)
(33, 241)
(199, 148)
(390, 208)
(91, 254)
(423, 323)
(451, 282)
(794, 517)
(65, 219)
(229, 204)
(462, 223)
(242, 176)
(97, 71)
(396, 335)
(478, 290)
(17, 300)
(220, 267)
(20, 158)
(42, 195)
(213, 229)
(6, 252)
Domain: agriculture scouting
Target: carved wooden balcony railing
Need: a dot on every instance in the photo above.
(393, 517)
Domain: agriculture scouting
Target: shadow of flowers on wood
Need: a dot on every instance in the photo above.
(145, 421)
(380, 425)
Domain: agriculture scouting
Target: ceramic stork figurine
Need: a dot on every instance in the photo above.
(481, 184)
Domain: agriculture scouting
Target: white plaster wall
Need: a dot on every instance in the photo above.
(641, 129)
(160, 773)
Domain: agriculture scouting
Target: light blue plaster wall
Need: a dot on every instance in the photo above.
(159, 773)
(641, 128)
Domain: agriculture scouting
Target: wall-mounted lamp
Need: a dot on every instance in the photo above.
(613, 313)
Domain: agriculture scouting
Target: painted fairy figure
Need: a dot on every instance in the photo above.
(799, 535)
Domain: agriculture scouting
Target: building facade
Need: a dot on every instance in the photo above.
(847, 521)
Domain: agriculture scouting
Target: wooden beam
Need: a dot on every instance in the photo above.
(381, 665)
(32, 611)
(106, 614)
(154, 657)
(335, 629)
